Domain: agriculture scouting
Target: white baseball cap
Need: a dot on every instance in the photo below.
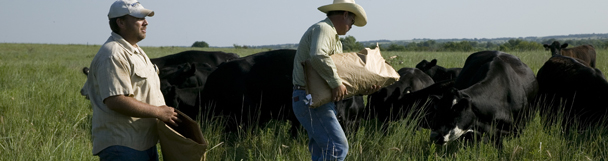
(129, 7)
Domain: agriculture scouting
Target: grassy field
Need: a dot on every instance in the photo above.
(43, 117)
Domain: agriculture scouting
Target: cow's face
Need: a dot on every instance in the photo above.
(453, 117)
(555, 47)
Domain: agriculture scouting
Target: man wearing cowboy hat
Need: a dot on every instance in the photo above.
(124, 90)
(327, 140)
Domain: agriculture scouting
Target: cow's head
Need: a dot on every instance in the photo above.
(555, 47)
(427, 67)
(453, 117)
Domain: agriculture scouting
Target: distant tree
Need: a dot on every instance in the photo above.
(520, 45)
(395, 47)
(200, 44)
(349, 43)
(237, 46)
(490, 46)
(458, 46)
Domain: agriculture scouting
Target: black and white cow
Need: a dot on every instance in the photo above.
(570, 89)
(438, 73)
(491, 95)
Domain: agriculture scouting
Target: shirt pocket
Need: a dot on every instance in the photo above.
(140, 77)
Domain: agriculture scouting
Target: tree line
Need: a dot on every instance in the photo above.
(350, 44)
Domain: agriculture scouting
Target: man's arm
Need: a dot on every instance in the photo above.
(131, 107)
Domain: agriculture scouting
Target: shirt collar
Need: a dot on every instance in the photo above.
(125, 44)
(328, 21)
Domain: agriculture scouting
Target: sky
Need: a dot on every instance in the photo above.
(224, 23)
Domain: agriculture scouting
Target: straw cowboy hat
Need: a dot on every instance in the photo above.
(350, 6)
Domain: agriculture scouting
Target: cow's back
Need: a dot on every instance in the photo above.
(252, 89)
(566, 84)
(497, 72)
(583, 52)
(213, 58)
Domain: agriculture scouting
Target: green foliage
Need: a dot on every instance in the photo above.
(236, 46)
(520, 45)
(349, 43)
(200, 44)
(43, 116)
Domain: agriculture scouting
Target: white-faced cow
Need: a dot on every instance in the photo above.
(583, 52)
(491, 95)
(572, 90)
(438, 73)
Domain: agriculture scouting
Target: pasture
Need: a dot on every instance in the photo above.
(44, 117)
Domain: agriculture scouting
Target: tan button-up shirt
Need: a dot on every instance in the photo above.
(122, 69)
(318, 43)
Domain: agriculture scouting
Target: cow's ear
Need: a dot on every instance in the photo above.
(564, 45)
(462, 102)
(422, 64)
(435, 98)
(433, 62)
(547, 47)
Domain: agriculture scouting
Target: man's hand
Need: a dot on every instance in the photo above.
(373, 89)
(338, 93)
(168, 115)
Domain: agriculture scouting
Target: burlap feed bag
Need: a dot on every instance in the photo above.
(184, 142)
(359, 72)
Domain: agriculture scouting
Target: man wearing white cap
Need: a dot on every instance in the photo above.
(327, 140)
(124, 90)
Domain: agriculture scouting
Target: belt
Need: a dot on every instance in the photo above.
(297, 87)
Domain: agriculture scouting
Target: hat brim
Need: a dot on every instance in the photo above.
(360, 16)
(142, 13)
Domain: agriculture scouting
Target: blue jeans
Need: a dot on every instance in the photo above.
(120, 153)
(326, 139)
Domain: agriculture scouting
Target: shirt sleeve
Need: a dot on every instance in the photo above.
(321, 48)
(114, 77)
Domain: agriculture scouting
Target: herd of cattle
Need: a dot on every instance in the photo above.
(493, 93)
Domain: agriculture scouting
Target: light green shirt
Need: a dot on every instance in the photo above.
(318, 43)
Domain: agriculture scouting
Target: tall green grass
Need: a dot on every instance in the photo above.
(43, 117)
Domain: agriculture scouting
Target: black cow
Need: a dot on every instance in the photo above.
(350, 111)
(385, 104)
(178, 82)
(213, 58)
(583, 52)
(438, 73)
(251, 90)
(416, 105)
(570, 89)
(186, 75)
(491, 95)
(411, 79)
(181, 72)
